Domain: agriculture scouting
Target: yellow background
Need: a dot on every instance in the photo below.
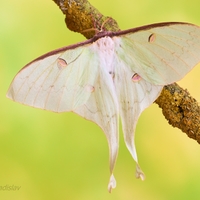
(62, 156)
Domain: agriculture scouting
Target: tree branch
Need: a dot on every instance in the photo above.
(178, 107)
(80, 15)
(181, 110)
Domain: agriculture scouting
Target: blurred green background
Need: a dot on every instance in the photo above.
(62, 156)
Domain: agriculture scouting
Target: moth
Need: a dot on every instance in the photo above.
(113, 75)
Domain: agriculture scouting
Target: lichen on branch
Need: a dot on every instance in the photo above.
(181, 110)
(81, 16)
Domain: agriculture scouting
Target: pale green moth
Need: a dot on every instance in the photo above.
(113, 74)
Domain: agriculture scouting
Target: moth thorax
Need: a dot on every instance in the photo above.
(105, 48)
(105, 44)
